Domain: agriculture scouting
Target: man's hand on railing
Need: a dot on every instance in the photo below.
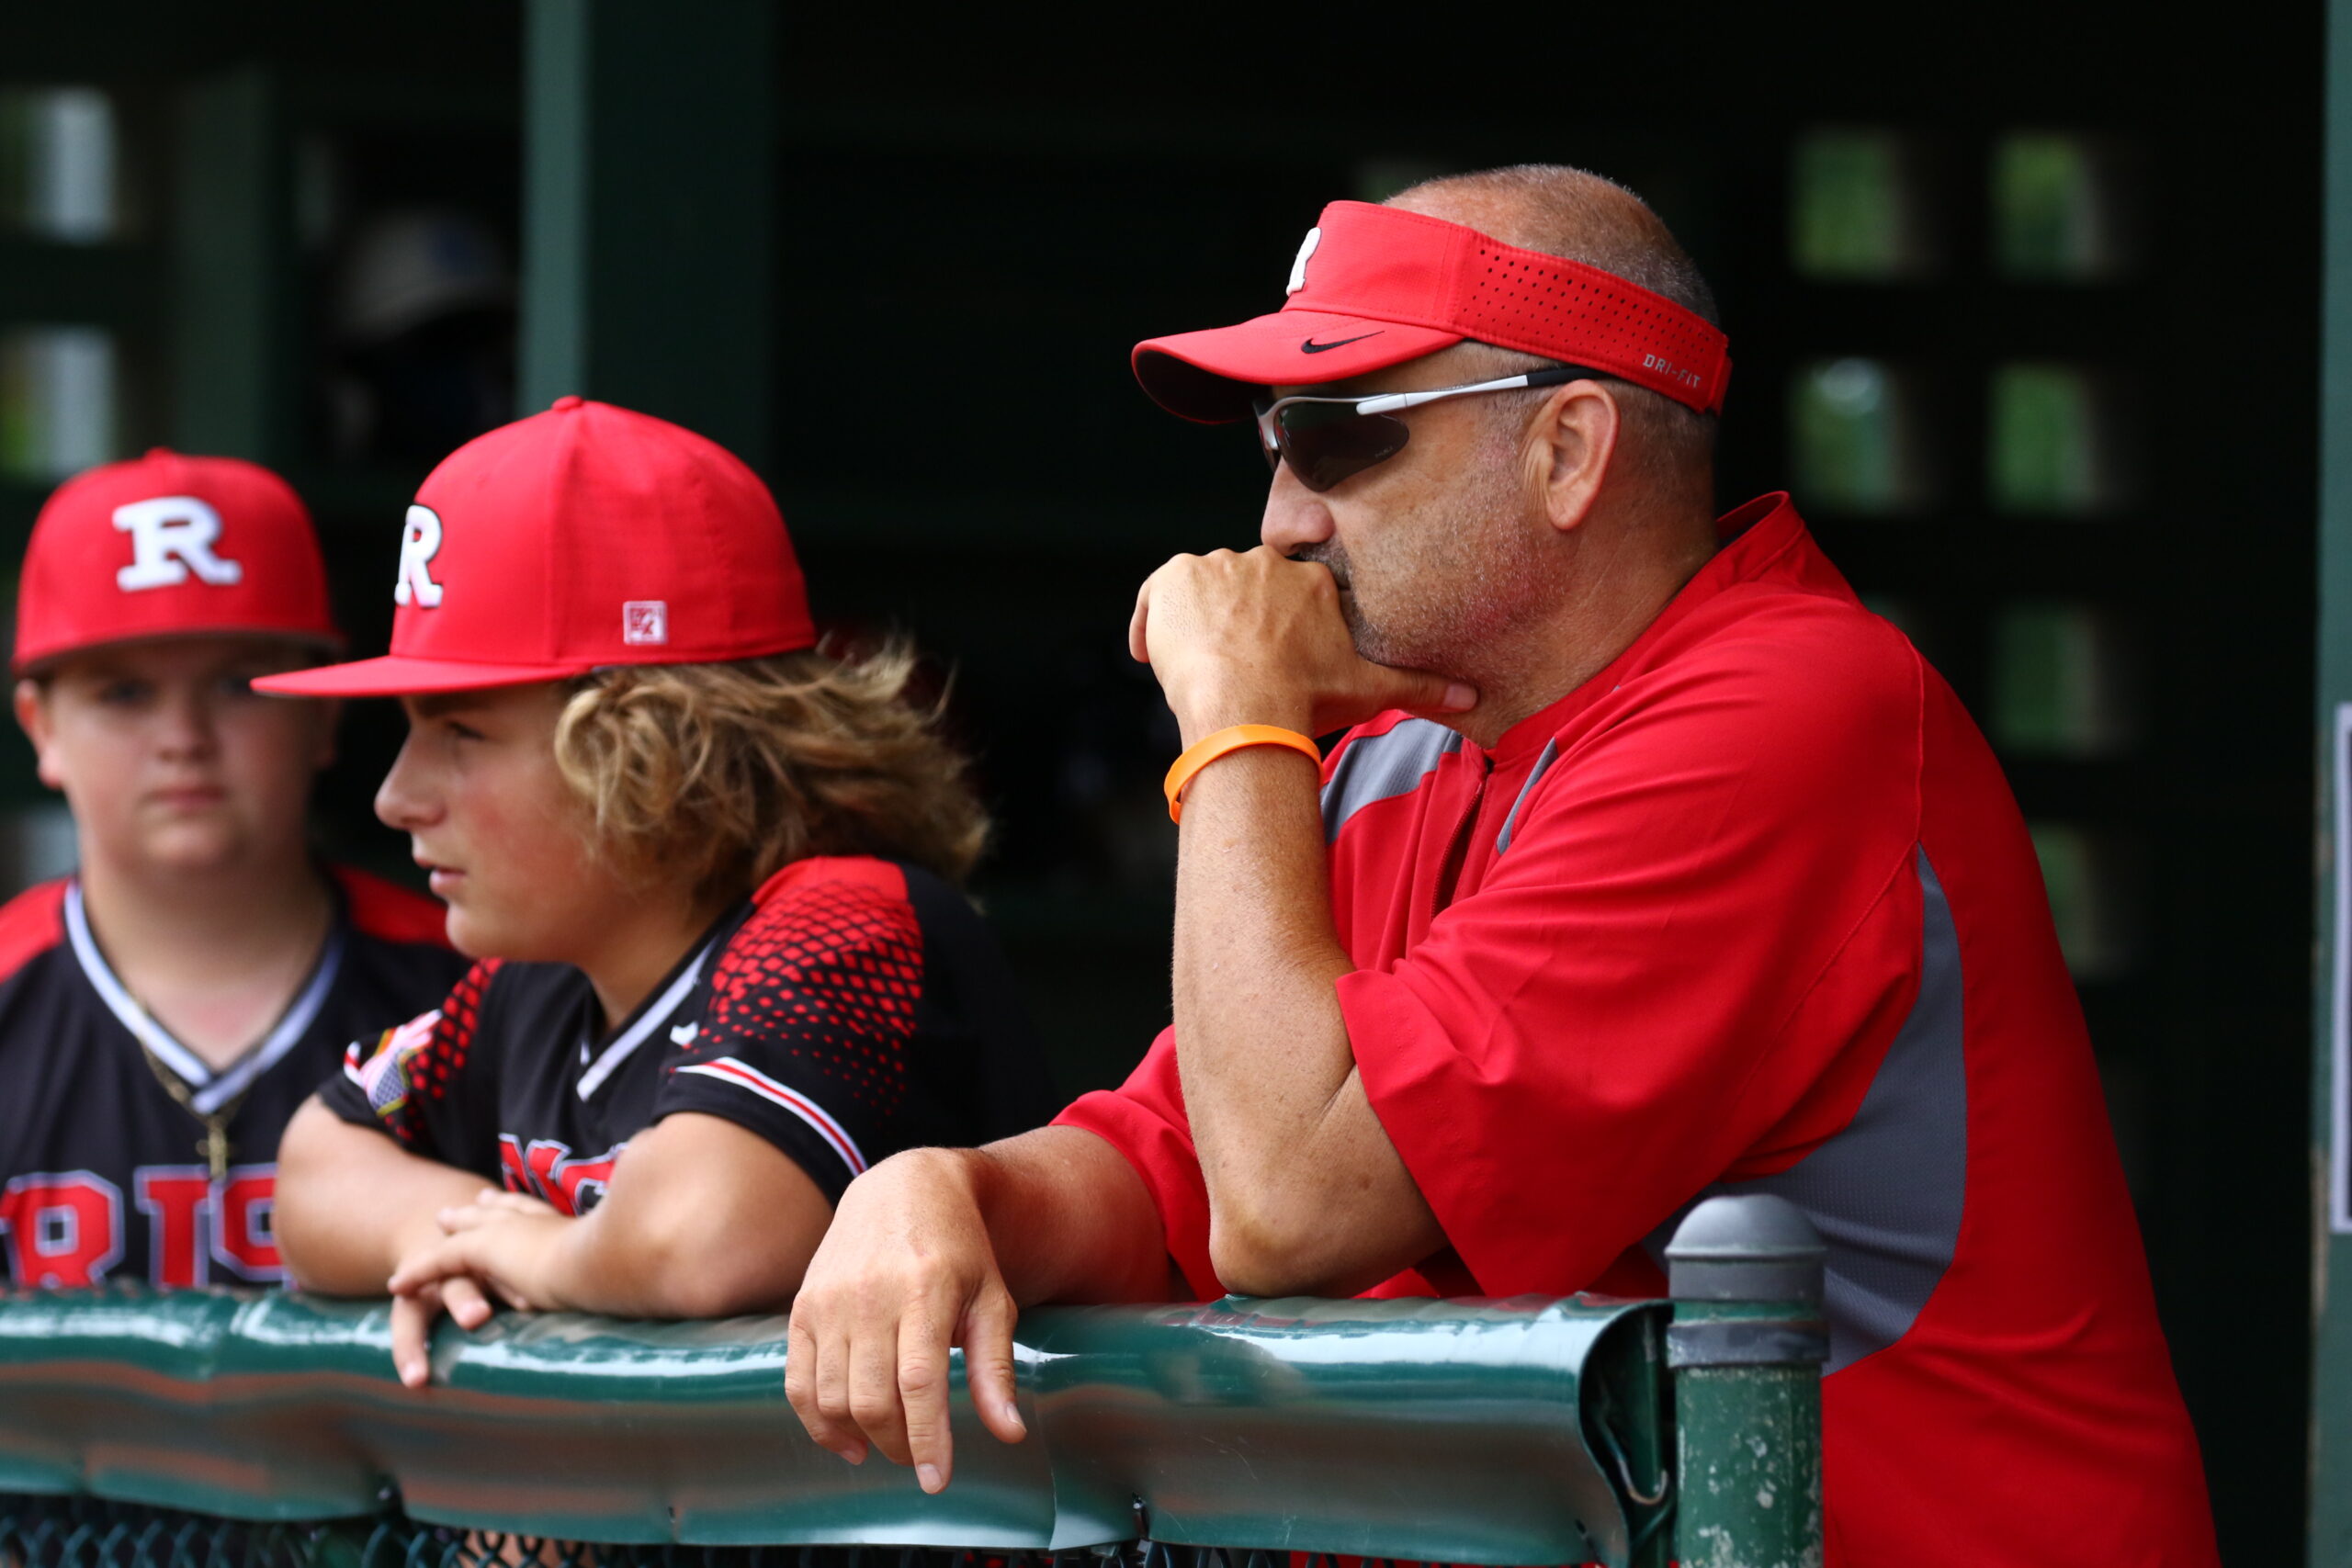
(905, 1273)
(935, 1248)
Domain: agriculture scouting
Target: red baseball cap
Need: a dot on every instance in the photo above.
(170, 545)
(585, 537)
(1374, 286)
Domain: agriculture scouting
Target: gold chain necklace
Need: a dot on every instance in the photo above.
(214, 1145)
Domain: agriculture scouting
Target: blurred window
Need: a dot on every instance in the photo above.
(59, 403)
(2062, 207)
(2092, 897)
(2057, 435)
(58, 163)
(1858, 435)
(1857, 211)
(2063, 680)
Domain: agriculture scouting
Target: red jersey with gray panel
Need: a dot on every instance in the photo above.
(1753, 911)
(108, 1151)
(850, 1008)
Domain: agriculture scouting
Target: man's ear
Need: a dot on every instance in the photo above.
(1572, 441)
(33, 718)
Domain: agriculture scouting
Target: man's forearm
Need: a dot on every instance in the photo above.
(1259, 1032)
(1306, 1191)
(1069, 1218)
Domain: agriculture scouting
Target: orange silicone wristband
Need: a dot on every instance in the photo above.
(1233, 738)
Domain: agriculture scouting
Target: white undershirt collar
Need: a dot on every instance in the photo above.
(210, 1090)
(656, 1013)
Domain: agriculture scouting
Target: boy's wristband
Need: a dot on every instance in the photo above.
(1233, 738)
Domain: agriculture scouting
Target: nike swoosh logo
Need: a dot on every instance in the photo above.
(1311, 346)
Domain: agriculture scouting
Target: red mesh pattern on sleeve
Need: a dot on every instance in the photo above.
(1564, 309)
(823, 981)
(453, 1037)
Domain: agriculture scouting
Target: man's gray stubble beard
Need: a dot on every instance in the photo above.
(1442, 617)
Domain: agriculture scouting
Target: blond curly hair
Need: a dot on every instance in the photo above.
(727, 773)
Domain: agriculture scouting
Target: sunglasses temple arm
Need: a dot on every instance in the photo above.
(1393, 401)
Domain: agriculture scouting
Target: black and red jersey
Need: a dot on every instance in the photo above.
(106, 1172)
(849, 1009)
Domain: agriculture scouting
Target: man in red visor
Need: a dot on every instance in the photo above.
(1652, 867)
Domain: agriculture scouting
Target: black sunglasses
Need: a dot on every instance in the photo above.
(1325, 440)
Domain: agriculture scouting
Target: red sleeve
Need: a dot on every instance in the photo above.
(1144, 1120)
(30, 924)
(386, 910)
(1701, 941)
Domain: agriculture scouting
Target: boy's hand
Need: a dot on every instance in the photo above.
(499, 1245)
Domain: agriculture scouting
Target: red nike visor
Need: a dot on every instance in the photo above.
(1374, 286)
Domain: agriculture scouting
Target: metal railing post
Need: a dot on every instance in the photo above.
(1745, 1350)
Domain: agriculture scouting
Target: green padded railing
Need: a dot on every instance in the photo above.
(218, 1430)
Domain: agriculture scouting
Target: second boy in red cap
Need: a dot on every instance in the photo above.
(708, 871)
(165, 1009)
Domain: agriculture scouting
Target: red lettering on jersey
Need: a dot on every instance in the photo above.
(582, 1182)
(176, 1200)
(510, 1164)
(546, 1169)
(543, 1156)
(63, 1229)
(245, 1236)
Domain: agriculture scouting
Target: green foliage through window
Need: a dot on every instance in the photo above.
(1855, 438)
(2062, 679)
(2085, 872)
(1854, 211)
(58, 403)
(2052, 440)
(2058, 208)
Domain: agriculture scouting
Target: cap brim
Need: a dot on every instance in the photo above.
(1210, 377)
(393, 676)
(327, 643)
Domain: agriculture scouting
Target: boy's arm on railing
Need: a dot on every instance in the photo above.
(936, 1248)
(702, 1218)
(350, 1203)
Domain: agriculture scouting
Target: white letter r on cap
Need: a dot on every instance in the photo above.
(171, 537)
(420, 542)
(1298, 267)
